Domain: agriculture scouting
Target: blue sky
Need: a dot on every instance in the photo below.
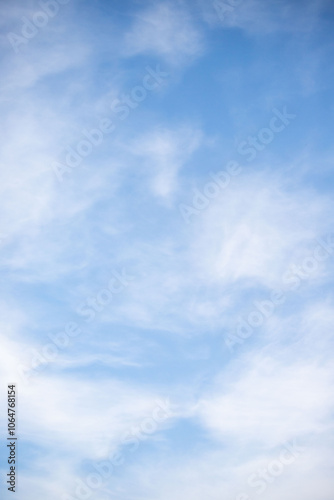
(167, 248)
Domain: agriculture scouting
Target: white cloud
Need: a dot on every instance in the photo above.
(61, 243)
(165, 152)
(269, 403)
(223, 474)
(256, 229)
(166, 31)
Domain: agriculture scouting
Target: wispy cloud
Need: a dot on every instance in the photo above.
(164, 153)
(184, 99)
(165, 30)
